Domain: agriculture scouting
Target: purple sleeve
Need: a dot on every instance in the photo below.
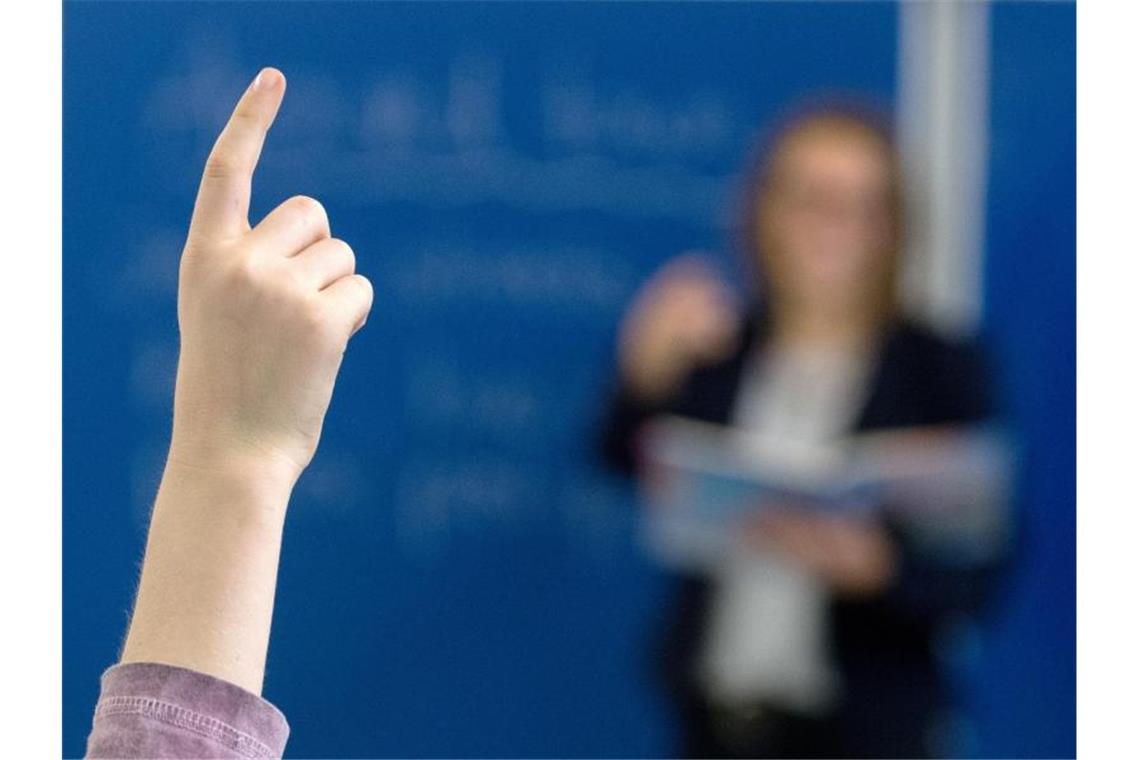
(150, 710)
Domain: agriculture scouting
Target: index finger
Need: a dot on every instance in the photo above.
(222, 207)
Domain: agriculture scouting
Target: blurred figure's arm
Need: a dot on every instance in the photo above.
(683, 317)
(624, 415)
(942, 536)
(930, 583)
(855, 557)
(264, 316)
(927, 587)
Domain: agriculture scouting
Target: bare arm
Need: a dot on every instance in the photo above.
(264, 315)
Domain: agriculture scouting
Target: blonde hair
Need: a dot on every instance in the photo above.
(835, 116)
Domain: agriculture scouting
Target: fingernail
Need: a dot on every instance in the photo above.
(266, 79)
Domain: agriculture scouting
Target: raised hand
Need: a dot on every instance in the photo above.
(684, 316)
(264, 313)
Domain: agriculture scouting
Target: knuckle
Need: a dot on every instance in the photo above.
(360, 291)
(366, 294)
(304, 203)
(322, 329)
(195, 248)
(244, 272)
(247, 117)
(221, 165)
(309, 207)
(365, 285)
(344, 250)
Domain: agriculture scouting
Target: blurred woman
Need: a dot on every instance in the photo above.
(819, 641)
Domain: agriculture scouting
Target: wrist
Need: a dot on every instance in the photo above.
(651, 375)
(205, 596)
(260, 476)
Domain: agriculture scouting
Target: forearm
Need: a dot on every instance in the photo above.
(264, 316)
(205, 598)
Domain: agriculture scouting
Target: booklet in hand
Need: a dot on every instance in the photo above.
(948, 486)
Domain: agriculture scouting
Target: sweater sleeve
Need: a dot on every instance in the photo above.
(961, 393)
(622, 421)
(153, 710)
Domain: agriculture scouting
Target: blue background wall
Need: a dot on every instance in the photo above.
(457, 577)
(1024, 688)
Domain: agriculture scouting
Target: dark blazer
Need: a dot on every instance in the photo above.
(883, 645)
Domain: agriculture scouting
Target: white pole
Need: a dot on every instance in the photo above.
(943, 113)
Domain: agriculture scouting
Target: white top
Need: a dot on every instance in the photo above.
(767, 639)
